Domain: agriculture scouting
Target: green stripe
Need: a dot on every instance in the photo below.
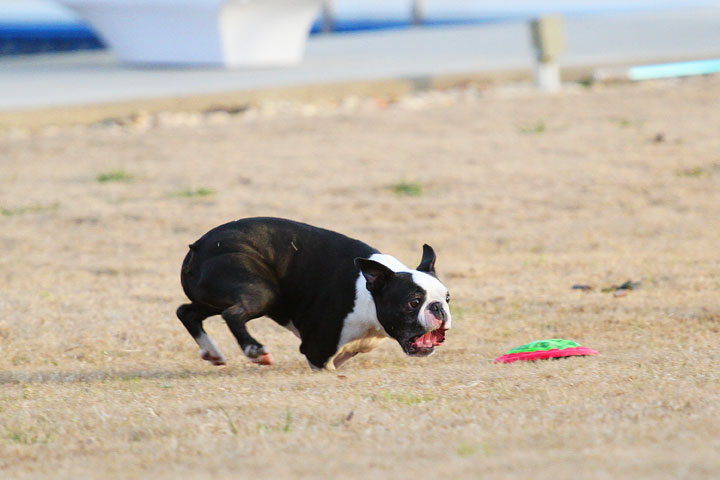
(541, 345)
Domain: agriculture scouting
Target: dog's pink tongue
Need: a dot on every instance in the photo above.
(425, 340)
(430, 339)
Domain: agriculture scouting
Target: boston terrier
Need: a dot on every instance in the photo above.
(340, 296)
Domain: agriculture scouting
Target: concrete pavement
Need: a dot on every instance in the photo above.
(95, 77)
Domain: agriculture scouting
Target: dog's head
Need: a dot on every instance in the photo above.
(411, 305)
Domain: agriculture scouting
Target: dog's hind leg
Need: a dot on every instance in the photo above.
(236, 317)
(192, 316)
(240, 289)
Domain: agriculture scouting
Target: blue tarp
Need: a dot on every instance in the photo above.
(23, 38)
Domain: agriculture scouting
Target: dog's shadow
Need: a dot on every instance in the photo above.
(89, 376)
(243, 369)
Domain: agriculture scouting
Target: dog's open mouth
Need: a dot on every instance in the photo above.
(425, 344)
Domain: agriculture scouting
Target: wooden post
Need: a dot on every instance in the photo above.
(418, 12)
(549, 42)
(328, 16)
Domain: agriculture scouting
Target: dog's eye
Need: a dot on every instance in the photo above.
(447, 298)
(414, 303)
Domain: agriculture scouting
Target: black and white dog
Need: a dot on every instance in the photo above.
(338, 295)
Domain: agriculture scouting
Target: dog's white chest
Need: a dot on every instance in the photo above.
(362, 322)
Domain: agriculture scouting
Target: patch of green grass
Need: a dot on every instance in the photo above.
(536, 129)
(286, 426)
(233, 428)
(26, 438)
(28, 209)
(467, 449)
(587, 82)
(625, 122)
(49, 296)
(139, 436)
(537, 249)
(193, 192)
(407, 189)
(692, 172)
(115, 176)
(288, 421)
(406, 398)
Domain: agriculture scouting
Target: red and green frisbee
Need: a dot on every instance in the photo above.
(544, 349)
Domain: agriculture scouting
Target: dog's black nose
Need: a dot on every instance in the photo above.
(437, 309)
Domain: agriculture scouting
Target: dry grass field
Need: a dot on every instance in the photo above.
(521, 194)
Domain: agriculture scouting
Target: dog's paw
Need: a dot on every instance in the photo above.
(257, 354)
(264, 359)
(214, 359)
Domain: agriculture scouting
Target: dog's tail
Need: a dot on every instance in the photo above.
(188, 271)
(188, 262)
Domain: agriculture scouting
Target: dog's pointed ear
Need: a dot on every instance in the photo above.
(427, 264)
(376, 274)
